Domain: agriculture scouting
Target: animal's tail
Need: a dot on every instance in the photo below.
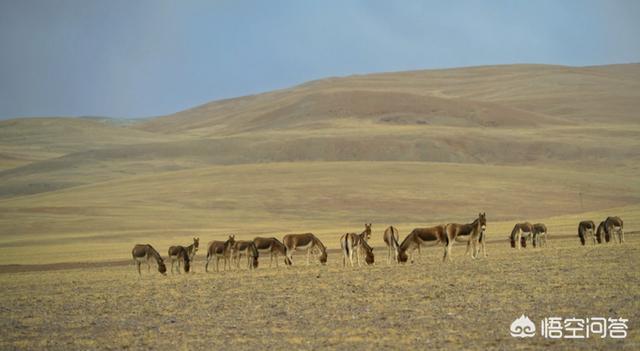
(581, 235)
(345, 244)
(515, 230)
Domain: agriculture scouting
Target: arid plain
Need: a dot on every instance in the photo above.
(523, 142)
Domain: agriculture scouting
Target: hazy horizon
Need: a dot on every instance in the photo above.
(126, 60)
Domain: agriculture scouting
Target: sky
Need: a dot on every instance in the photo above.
(144, 58)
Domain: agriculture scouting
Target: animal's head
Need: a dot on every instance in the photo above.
(513, 241)
(187, 265)
(582, 240)
(402, 256)
(369, 257)
(254, 262)
(162, 268)
(523, 241)
(196, 243)
(482, 221)
(323, 257)
(231, 240)
(367, 231)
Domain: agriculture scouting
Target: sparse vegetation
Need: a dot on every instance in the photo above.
(538, 143)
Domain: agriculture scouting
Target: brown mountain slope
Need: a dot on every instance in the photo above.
(503, 96)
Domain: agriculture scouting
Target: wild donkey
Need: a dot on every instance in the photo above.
(246, 248)
(179, 254)
(306, 241)
(520, 233)
(470, 232)
(272, 246)
(418, 237)
(586, 228)
(183, 254)
(143, 253)
(353, 243)
(391, 239)
(539, 235)
(220, 250)
(614, 225)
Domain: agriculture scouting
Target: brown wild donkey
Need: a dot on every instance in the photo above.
(539, 235)
(586, 228)
(179, 254)
(418, 237)
(144, 253)
(391, 238)
(353, 243)
(220, 250)
(470, 232)
(272, 246)
(248, 249)
(520, 233)
(306, 241)
(614, 225)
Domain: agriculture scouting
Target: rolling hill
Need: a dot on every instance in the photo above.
(404, 148)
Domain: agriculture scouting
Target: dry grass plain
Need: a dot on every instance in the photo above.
(541, 143)
(466, 304)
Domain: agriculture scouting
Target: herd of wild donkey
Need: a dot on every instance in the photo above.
(356, 245)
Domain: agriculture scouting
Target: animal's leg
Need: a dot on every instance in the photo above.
(350, 254)
(344, 256)
(138, 264)
(474, 251)
(388, 254)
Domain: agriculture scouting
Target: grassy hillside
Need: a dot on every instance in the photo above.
(406, 148)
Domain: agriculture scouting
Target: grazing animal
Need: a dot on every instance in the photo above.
(391, 238)
(520, 233)
(247, 248)
(470, 232)
(272, 246)
(586, 228)
(145, 252)
(353, 243)
(178, 254)
(306, 241)
(601, 234)
(614, 225)
(539, 235)
(418, 237)
(220, 250)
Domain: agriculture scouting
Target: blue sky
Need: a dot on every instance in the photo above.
(147, 58)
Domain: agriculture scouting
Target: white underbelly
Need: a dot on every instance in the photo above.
(304, 247)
